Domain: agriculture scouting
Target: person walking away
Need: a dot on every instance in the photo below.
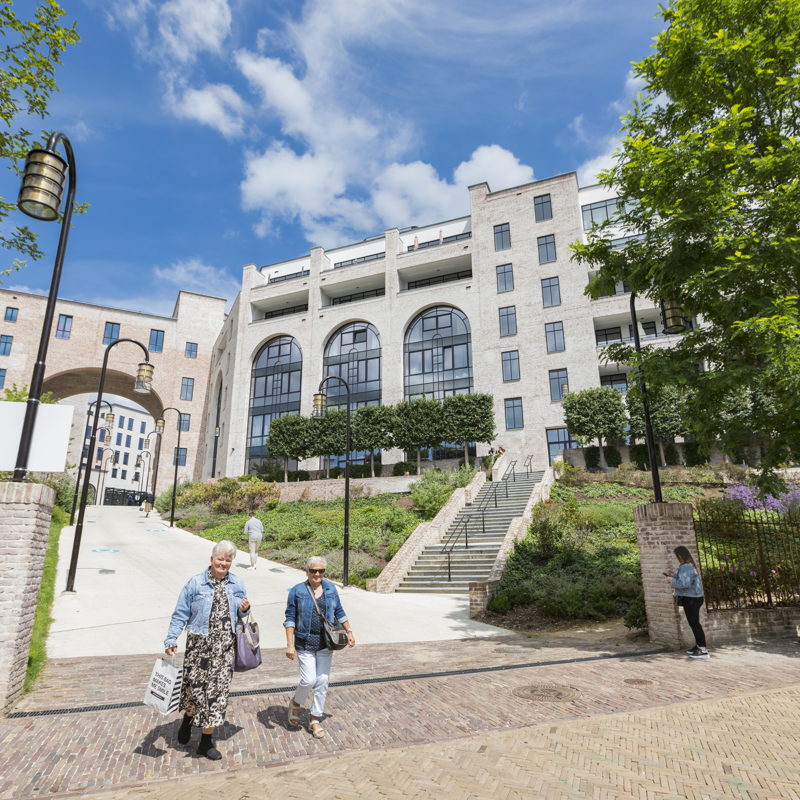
(254, 531)
(689, 588)
(208, 606)
(148, 503)
(305, 639)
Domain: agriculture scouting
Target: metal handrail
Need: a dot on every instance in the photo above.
(454, 537)
(513, 472)
(528, 466)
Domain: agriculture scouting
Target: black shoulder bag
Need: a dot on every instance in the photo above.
(335, 635)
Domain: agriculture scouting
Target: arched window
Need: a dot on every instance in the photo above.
(354, 353)
(437, 356)
(274, 391)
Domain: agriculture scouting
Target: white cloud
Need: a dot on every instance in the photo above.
(17, 287)
(190, 27)
(216, 105)
(193, 274)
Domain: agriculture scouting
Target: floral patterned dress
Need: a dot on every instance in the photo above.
(207, 666)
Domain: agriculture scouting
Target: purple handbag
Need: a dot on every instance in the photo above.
(248, 649)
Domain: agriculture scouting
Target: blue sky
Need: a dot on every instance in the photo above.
(213, 133)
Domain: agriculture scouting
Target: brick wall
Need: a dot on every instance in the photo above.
(751, 624)
(25, 510)
(660, 528)
(334, 488)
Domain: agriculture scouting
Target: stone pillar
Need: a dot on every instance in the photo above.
(660, 528)
(25, 510)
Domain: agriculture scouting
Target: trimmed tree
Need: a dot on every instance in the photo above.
(417, 424)
(468, 418)
(288, 439)
(328, 436)
(597, 413)
(372, 430)
(667, 406)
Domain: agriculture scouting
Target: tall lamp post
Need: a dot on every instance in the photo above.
(159, 430)
(144, 377)
(140, 463)
(177, 457)
(674, 322)
(40, 196)
(319, 410)
(109, 420)
(110, 454)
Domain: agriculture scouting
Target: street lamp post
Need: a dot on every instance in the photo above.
(140, 463)
(319, 409)
(110, 422)
(40, 197)
(673, 320)
(177, 458)
(110, 453)
(159, 430)
(144, 377)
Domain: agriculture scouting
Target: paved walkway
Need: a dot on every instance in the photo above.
(132, 568)
(654, 725)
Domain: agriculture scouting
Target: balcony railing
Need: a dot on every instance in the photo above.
(361, 260)
(436, 242)
(451, 276)
(351, 298)
(280, 278)
(284, 312)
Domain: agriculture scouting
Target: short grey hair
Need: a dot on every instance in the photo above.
(229, 548)
(316, 560)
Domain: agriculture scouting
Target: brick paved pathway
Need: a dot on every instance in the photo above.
(734, 730)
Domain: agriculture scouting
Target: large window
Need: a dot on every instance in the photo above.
(275, 384)
(125, 457)
(184, 422)
(554, 333)
(511, 365)
(179, 457)
(121, 422)
(191, 350)
(514, 413)
(551, 292)
(607, 335)
(502, 236)
(11, 314)
(130, 423)
(598, 213)
(187, 389)
(119, 440)
(142, 428)
(111, 333)
(508, 321)
(649, 329)
(559, 384)
(617, 381)
(64, 327)
(505, 278)
(128, 440)
(558, 439)
(438, 354)
(5, 345)
(156, 341)
(547, 248)
(543, 208)
(141, 444)
(2, 378)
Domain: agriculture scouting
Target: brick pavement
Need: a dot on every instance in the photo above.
(734, 731)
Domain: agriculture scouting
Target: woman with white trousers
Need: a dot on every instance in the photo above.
(308, 602)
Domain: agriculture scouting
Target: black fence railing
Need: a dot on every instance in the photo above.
(436, 279)
(436, 242)
(748, 559)
(359, 260)
(292, 276)
(285, 312)
(462, 528)
(351, 298)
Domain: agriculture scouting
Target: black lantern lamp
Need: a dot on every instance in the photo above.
(320, 406)
(160, 425)
(110, 420)
(42, 187)
(564, 390)
(147, 443)
(672, 317)
(216, 431)
(144, 377)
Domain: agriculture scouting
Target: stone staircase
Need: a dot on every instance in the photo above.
(473, 562)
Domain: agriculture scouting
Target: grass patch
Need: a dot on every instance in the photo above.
(37, 658)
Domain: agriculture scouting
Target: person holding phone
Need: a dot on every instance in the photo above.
(689, 593)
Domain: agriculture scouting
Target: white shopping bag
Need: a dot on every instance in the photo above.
(164, 689)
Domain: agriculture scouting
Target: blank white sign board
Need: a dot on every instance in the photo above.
(50, 436)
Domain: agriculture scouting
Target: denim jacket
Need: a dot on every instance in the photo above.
(686, 581)
(193, 608)
(300, 607)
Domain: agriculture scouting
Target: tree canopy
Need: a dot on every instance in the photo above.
(418, 425)
(33, 49)
(709, 175)
(468, 418)
(327, 436)
(289, 438)
(597, 413)
(372, 430)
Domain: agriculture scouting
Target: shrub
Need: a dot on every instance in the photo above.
(401, 467)
(64, 487)
(249, 496)
(569, 475)
(430, 492)
(637, 614)
(640, 456)
(499, 604)
(613, 456)
(692, 455)
(591, 457)
(163, 502)
(671, 455)
(464, 475)
(609, 516)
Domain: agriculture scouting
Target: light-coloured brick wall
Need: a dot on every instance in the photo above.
(25, 510)
(334, 489)
(751, 624)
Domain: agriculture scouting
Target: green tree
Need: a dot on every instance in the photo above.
(597, 413)
(328, 436)
(14, 395)
(372, 430)
(289, 439)
(668, 413)
(709, 172)
(418, 425)
(27, 82)
(468, 418)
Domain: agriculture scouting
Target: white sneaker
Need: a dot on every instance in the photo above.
(251, 568)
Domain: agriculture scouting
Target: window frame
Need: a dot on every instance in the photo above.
(189, 352)
(179, 455)
(549, 289)
(12, 312)
(506, 317)
(511, 362)
(187, 389)
(559, 382)
(508, 270)
(555, 332)
(543, 244)
(515, 408)
(502, 234)
(156, 343)
(6, 343)
(115, 328)
(63, 331)
(545, 203)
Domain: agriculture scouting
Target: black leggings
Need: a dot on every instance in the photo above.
(691, 606)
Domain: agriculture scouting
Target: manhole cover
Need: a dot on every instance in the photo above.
(637, 682)
(548, 693)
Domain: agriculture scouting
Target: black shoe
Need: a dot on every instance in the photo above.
(185, 730)
(693, 650)
(206, 748)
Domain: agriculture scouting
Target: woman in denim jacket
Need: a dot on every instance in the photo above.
(688, 586)
(305, 638)
(208, 605)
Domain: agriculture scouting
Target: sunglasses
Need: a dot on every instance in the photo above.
(317, 571)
